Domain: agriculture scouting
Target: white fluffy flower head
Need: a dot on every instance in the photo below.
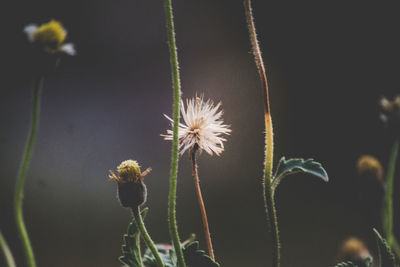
(202, 128)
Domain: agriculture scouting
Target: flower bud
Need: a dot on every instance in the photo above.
(354, 250)
(370, 166)
(391, 114)
(132, 192)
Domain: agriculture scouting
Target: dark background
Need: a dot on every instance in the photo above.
(328, 64)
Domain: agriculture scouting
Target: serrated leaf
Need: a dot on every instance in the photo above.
(131, 255)
(345, 264)
(195, 257)
(369, 261)
(291, 166)
(366, 262)
(386, 256)
(166, 253)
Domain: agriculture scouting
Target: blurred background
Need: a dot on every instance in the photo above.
(328, 64)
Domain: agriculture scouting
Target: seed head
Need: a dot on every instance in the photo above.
(202, 127)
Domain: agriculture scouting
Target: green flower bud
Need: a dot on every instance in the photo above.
(132, 192)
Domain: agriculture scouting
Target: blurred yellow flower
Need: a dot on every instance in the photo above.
(371, 166)
(50, 37)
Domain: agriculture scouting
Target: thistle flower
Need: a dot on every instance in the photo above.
(202, 128)
(132, 192)
(49, 38)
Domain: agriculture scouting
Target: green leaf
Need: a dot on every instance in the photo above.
(291, 166)
(345, 264)
(386, 256)
(197, 258)
(193, 256)
(131, 255)
(166, 253)
(367, 262)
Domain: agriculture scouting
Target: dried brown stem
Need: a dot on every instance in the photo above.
(257, 53)
(201, 205)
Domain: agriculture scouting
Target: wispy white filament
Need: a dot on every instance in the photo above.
(202, 126)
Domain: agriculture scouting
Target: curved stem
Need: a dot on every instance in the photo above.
(7, 252)
(19, 190)
(173, 227)
(269, 137)
(147, 239)
(201, 205)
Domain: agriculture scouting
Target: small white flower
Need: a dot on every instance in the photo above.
(203, 127)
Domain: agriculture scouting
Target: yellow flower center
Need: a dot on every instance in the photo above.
(129, 171)
(51, 35)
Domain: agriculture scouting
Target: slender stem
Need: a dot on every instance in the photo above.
(257, 53)
(269, 137)
(388, 216)
(147, 239)
(19, 190)
(173, 227)
(139, 251)
(269, 197)
(201, 205)
(7, 252)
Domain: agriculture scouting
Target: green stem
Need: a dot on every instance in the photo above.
(173, 227)
(269, 194)
(139, 251)
(147, 239)
(272, 220)
(269, 138)
(388, 216)
(7, 252)
(19, 190)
